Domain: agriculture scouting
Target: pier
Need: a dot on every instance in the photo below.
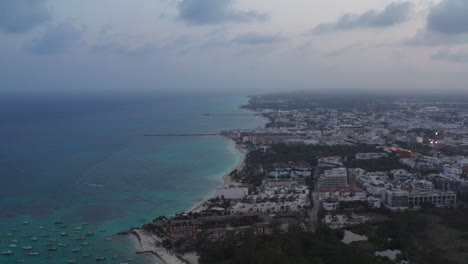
(182, 135)
(209, 114)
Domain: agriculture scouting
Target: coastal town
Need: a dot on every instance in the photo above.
(316, 166)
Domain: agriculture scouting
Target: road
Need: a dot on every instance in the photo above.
(316, 203)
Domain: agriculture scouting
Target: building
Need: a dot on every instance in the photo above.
(232, 193)
(401, 199)
(333, 179)
(369, 156)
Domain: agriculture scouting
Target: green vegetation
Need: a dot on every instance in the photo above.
(281, 153)
(382, 164)
(324, 247)
(431, 236)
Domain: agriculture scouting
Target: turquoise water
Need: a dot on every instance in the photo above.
(85, 161)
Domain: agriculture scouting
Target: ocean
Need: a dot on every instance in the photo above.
(84, 161)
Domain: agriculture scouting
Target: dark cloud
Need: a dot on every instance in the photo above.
(429, 38)
(344, 50)
(393, 14)
(56, 39)
(449, 17)
(19, 16)
(206, 12)
(447, 55)
(256, 39)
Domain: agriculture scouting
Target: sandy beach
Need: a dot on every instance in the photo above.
(149, 243)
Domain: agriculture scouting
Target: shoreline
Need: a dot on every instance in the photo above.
(148, 242)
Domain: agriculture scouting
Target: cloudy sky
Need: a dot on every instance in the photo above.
(241, 45)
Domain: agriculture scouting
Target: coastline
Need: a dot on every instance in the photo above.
(148, 243)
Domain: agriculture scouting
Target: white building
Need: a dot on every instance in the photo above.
(333, 179)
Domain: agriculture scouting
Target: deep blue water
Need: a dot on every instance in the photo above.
(85, 160)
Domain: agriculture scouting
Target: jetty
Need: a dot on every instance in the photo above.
(182, 135)
(209, 114)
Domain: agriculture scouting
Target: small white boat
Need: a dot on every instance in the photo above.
(33, 253)
(27, 247)
(12, 246)
(7, 253)
(34, 238)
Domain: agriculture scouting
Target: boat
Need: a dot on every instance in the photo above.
(52, 249)
(25, 223)
(58, 222)
(115, 256)
(9, 235)
(8, 252)
(49, 256)
(34, 238)
(89, 234)
(48, 244)
(12, 246)
(52, 239)
(63, 234)
(19, 260)
(54, 230)
(63, 244)
(33, 253)
(85, 243)
(25, 235)
(45, 235)
(108, 238)
(15, 229)
(76, 249)
(100, 258)
(80, 238)
(27, 247)
(86, 255)
(71, 261)
(14, 241)
(41, 227)
(79, 228)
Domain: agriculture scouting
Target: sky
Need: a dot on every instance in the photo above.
(57, 46)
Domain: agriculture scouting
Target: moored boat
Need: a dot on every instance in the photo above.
(76, 249)
(8, 252)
